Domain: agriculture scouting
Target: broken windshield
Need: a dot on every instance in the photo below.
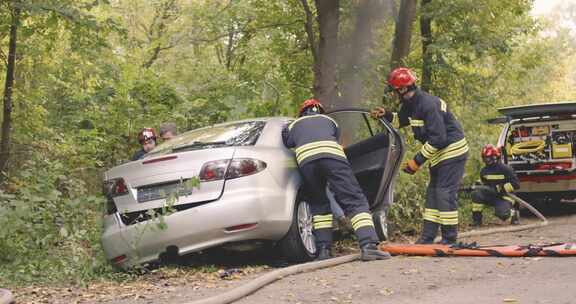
(232, 134)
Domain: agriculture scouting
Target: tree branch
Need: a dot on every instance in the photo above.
(243, 30)
(310, 30)
(158, 29)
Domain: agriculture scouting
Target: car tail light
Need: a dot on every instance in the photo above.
(214, 170)
(229, 169)
(243, 167)
(115, 187)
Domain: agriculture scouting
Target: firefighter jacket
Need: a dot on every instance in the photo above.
(434, 126)
(313, 137)
(499, 177)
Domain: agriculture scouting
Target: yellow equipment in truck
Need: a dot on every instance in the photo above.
(527, 147)
(561, 150)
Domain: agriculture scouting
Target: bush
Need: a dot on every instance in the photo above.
(50, 227)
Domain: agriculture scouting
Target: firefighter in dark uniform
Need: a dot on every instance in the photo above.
(444, 148)
(497, 180)
(322, 161)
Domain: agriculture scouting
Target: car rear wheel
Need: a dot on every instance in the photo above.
(380, 224)
(298, 245)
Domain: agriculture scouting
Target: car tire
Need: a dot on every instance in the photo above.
(298, 245)
(380, 224)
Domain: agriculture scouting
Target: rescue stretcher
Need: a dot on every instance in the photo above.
(472, 249)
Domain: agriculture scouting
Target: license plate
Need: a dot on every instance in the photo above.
(161, 191)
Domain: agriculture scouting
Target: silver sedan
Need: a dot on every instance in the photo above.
(235, 183)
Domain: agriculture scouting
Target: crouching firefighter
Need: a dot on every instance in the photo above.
(443, 147)
(321, 160)
(497, 180)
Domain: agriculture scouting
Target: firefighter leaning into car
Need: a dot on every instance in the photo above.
(147, 139)
(322, 161)
(444, 148)
(497, 180)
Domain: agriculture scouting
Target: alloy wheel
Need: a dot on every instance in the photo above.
(305, 227)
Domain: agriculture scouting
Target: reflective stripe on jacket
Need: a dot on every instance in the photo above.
(500, 177)
(313, 137)
(434, 126)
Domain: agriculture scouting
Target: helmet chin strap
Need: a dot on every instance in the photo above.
(490, 160)
(402, 92)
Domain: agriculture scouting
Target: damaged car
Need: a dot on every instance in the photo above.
(233, 184)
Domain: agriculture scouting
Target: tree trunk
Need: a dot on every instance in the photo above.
(354, 63)
(8, 88)
(403, 33)
(426, 34)
(325, 82)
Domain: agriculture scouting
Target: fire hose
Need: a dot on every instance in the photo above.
(523, 203)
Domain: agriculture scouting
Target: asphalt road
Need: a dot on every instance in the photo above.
(442, 280)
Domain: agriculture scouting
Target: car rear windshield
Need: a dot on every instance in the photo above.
(244, 133)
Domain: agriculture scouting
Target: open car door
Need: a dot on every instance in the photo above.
(375, 150)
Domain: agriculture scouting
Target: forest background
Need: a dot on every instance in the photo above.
(80, 78)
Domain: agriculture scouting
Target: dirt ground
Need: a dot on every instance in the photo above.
(397, 280)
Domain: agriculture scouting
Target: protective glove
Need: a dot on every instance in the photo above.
(378, 112)
(411, 167)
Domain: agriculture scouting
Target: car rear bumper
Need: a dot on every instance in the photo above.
(200, 227)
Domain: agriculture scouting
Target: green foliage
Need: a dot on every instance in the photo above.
(49, 222)
(91, 74)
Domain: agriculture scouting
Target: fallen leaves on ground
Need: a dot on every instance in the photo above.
(160, 281)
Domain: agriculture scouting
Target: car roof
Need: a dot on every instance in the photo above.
(540, 109)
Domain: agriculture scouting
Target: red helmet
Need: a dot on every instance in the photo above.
(401, 78)
(490, 151)
(311, 103)
(146, 134)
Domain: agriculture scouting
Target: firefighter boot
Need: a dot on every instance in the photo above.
(429, 231)
(449, 234)
(476, 218)
(324, 253)
(371, 252)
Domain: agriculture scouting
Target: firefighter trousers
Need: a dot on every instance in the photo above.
(441, 208)
(347, 192)
(486, 196)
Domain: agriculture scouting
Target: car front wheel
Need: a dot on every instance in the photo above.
(298, 245)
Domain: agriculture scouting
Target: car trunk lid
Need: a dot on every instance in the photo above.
(151, 180)
(566, 108)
